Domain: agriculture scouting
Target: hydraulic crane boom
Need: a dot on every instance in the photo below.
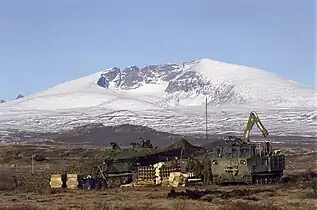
(254, 119)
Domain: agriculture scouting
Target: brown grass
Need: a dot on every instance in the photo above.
(263, 197)
(32, 190)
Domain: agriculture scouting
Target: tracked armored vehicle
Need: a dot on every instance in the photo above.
(139, 163)
(240, 161)
(115, 173)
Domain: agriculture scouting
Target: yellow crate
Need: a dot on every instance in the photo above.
(72, 181)
(56, 181)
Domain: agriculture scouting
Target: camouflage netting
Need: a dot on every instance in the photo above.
(89, 166)
(85, 167)
(188, 148)
(133, 153)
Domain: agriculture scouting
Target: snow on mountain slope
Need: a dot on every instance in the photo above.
(227, 83)
(170, 97)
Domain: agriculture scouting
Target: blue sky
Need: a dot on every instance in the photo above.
(44, 43)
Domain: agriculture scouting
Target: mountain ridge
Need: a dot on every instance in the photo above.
(190, 79)
(170, 97)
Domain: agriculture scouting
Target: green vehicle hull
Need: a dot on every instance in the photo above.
(245, 164)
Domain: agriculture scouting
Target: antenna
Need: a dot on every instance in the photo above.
(32, 164)
(182, 151)
(206, 120)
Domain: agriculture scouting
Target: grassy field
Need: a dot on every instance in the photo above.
(33, 191)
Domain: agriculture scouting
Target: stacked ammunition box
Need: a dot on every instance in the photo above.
(165, 171)
(146, 173)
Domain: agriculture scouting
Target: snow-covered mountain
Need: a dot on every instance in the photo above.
(170, 97)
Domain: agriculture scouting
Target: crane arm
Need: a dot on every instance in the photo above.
(254, 119)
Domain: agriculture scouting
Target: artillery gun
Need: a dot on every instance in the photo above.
(240, 161)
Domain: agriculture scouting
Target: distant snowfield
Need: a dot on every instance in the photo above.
(285, 107)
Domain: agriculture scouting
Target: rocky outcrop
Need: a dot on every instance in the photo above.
(134, 77)
(20, 96)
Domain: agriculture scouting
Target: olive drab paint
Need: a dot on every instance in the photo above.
(238, 160)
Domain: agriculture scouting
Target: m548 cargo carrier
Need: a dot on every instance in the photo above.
(239, 160)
